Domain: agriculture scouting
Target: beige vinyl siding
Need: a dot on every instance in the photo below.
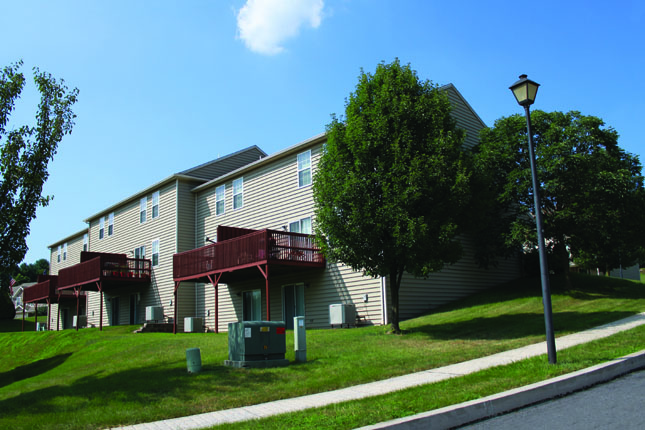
(465, 117)
(272, 199)
(185, 229)
(129, 234)
(418, 296)
(74, 248)
(335, 284)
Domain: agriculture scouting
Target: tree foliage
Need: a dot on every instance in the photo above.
(25, 152)
(592, 193)
(393, 180)
(29, 272)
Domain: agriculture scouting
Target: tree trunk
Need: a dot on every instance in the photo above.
(395, 284)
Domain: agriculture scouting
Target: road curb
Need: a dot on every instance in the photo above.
(463, 413)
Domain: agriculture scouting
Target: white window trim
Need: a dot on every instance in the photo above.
(299, 221)
(152, 252)
(86, 242)
(143, 209)
(101, 228)
(240, 192)
(222, 199)
(308, 152)
(141, 255)
(155, 196)
(65, 251)
(111, 224)
(58, 258)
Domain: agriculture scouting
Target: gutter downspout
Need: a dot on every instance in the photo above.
(384, 299)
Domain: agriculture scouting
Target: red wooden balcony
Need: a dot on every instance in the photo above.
(244, 248)
(108, 269)
(44, 290)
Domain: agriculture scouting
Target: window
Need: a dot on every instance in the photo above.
(65, 251)
(85, 242)
(301, 226)
(238, 193)
(142, 209)
(155, 252)
(304, 169)
(252, 305)
(220, 193)
(155, 204)
(58, 258)
(101, 227)
(111, 224)
(140, 252)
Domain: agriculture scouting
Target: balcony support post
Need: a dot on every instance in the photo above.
(36, 315)
(99, 286)
(265, 273)
(58, 315)
(215, 282)
(49, 312)
(23, 311)
(174, 321)
(77, 293)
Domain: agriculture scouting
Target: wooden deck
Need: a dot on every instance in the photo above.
(108, 269)
(248, 248)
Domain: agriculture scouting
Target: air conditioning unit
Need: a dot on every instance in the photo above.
(342, 314)
(81, 320)
(193, 325)
(154, 313)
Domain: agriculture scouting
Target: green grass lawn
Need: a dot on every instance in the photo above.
(91, 379)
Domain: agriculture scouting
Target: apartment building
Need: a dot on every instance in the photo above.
(229, 240)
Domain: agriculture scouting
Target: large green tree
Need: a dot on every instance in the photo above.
(592, 195)
(25, 152)
(392, 182)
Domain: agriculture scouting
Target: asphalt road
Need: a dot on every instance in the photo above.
(618, 404)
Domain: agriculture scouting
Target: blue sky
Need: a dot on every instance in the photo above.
(166, 85)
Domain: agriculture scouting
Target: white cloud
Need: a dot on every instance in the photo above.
(264, 25)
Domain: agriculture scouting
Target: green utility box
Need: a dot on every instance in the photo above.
(257, 344)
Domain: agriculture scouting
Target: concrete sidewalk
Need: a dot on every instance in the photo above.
(388, 385)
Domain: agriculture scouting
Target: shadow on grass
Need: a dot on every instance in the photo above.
(102, 400)
(15, 325)
(583, 287)
(514, 326)
(32, 369)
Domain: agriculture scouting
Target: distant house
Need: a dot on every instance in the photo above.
(16, 298)
(230, 240)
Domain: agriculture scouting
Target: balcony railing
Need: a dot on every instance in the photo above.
(43, 290)
(105, 267)
(258, 247)
(46, 289)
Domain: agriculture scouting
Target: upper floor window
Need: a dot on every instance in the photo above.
(142, 209)
(65, 251)
(58, 258)
(101, 227)
(238, 193)
(111, 224)
(140, 252)
(155, 252)
(86, 242)
(220, 193)
(155, 204)
(301, 226)
(304, 169)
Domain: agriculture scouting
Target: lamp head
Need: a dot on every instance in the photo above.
(524, 91)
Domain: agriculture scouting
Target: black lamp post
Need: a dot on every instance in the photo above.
(524, 91)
